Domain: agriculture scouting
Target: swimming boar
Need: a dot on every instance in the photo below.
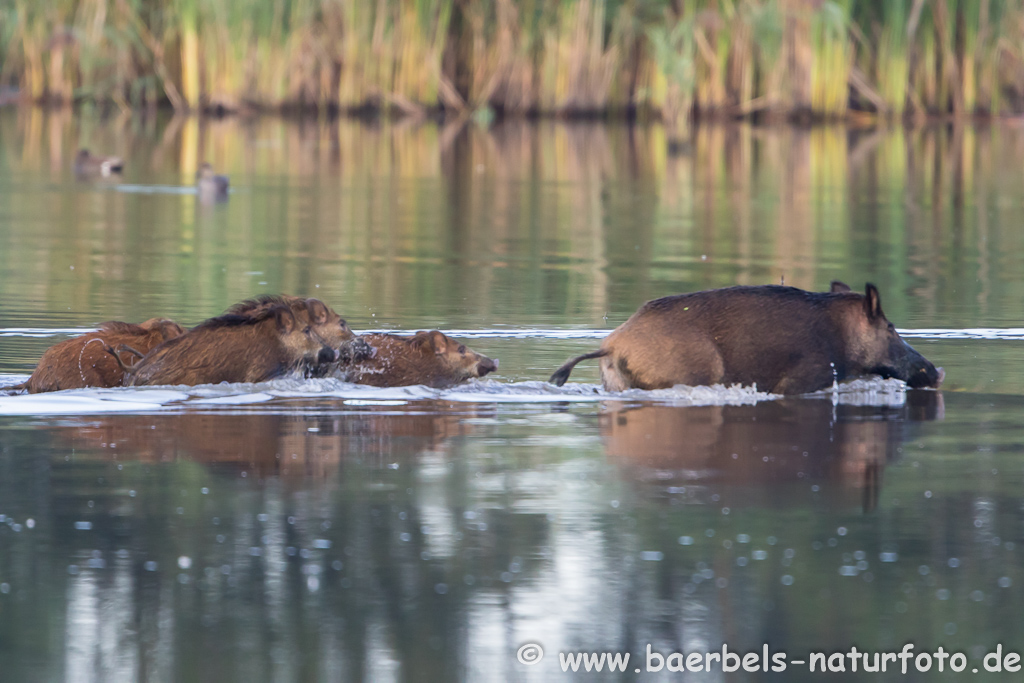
(83, 362)
(330, 326)
(273, 342)
(429, 358)
(782, 339)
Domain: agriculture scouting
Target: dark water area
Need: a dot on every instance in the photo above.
(312, 530)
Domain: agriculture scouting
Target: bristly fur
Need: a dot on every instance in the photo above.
(236, 320)
(258, 302)
(118, 327)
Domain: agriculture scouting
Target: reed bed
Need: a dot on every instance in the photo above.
(677, 59)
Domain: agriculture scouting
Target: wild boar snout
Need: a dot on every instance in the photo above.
(485, 366)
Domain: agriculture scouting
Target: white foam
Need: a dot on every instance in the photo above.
(287, 394)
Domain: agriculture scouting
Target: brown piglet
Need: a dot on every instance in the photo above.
(428, 358)
(83, 362)
(273, 342)
(325, 322)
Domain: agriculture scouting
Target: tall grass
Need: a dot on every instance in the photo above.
(678, 59)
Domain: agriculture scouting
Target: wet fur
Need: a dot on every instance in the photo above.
(325, 322)
(429, 358)
(781, 339)
(265, 343)
(83, 362)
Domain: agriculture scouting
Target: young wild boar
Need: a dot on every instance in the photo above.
(275, 341)
(429, 358)
(782, 339)
(83, 361)
(325, 322)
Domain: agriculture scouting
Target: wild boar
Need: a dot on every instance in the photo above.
(83, 362)
(272, 342)
(429, 358)
(331, 327)
(782, 339)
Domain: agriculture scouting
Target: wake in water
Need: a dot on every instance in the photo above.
(287, 395)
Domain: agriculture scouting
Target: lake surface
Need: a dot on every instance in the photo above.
(316, 531)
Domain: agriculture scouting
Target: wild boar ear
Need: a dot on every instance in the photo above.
(838, 287)
(439, 341)
(317, 311)
(285, 319)
(872, 301)
(170, 329)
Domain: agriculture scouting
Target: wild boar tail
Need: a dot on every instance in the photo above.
(13, 389)
(562, 374)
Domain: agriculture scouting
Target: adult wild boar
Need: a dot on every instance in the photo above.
(83, 361)
(275, 341)
(782, 339)
(429, 358)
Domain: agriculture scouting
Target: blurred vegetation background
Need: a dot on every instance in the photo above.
(677, 59)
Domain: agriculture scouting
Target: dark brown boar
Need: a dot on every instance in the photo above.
(429, 358)
(782, 339)
(271, 343)
(83, 362)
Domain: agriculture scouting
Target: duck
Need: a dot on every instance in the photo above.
(89, 164)
(210, 186)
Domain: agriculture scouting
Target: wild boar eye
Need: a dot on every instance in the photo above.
(462, 350)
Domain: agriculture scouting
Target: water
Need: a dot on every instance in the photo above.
(319, 531)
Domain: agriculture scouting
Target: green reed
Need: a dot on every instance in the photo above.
(670, 58)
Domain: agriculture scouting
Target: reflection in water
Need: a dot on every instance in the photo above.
(767, 443)
(528, 223)
(429, 544)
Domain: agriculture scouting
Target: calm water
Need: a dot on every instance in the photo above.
(308, 531)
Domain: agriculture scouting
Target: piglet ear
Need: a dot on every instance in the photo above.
(439, 342)
(838, 287)
(170, 329)
(317, 311)
(285, 319)
(872, 301)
